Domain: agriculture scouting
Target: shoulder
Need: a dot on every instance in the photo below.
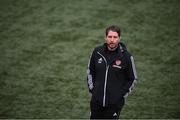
(124, 50)
(126, 54)
(98, 48)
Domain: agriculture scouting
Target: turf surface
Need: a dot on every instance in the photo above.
(45, 46)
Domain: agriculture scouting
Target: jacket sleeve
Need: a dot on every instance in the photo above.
(131, 76)
(91, 72)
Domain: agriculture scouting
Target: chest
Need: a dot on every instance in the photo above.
(115, 63)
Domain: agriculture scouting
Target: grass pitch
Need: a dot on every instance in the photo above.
(45, 46)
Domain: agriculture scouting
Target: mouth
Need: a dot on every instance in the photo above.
(112, 45)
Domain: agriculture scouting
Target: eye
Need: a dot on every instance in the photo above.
(109, 36)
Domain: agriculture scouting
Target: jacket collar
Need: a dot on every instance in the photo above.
(120, 50)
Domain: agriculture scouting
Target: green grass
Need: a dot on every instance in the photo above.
(45, 46)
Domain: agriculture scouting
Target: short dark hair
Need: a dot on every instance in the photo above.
(114, 29)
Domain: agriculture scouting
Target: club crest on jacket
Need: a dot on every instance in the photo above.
(118, 62)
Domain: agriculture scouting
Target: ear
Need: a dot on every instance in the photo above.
(105, 39)
(120, 39)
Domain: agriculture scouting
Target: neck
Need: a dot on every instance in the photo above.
(112, 49)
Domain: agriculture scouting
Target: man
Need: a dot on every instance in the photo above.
(111, 76)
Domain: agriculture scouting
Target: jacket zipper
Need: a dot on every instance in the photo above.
(105, 83)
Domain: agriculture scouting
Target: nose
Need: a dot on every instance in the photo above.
(112, 39)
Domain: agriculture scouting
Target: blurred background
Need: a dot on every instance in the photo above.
(45, 46)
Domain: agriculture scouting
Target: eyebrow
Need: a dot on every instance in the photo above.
(110, 36)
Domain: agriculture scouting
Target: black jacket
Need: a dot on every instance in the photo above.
(110, 75)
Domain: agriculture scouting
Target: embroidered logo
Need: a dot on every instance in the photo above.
(100, 60)
(115, 114)
(117, 66)
(118, 62)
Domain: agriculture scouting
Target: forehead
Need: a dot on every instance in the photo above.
(112, 33)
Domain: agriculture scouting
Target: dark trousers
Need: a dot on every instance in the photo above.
(109, 112)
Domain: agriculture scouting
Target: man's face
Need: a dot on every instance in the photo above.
(112, 40)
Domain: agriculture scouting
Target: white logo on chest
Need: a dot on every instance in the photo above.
(100, 60)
